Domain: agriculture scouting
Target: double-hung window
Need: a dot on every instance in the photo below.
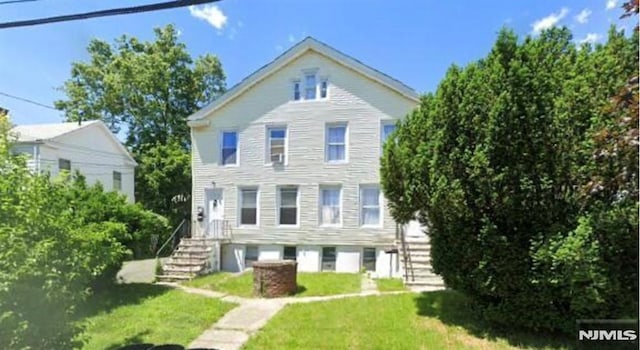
(370, 214)
(336, 143)
(288, 206)
(117, 181)
(248, 207)
(277, 144)
(330, 205)
(310, 86)
(229, 148)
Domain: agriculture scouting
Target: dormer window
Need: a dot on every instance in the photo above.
(310, 87)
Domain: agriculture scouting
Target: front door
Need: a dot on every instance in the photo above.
(215, 212)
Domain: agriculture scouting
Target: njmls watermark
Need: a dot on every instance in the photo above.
(608, 334)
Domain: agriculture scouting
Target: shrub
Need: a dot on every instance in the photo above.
(503, 165)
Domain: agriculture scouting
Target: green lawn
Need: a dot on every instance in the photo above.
(225, 282)
(390, 284)
(143, 313)
(309, 284)
(436, 320)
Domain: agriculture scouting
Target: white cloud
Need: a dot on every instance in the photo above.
(583, 16)
(240, 24)
(549, 21)
(611, 4)
(591, 38)
(279, 48)
(291, 38)
(209, 13)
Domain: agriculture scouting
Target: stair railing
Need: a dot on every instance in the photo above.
(408, 264)
(173, 234)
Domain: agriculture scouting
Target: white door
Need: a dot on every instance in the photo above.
(215, 212)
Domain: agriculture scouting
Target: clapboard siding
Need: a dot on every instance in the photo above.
(353, 99)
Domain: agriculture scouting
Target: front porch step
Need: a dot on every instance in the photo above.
(187, 261)
(194, 249)
(172, 278)
(182, 268)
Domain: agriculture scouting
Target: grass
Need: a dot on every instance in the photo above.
(390, 284)
(143, 313)
(225, 282)
(436, 320)
(309, 284)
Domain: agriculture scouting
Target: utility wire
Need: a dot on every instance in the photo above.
(27, 100)
(105, 13)
(15, 1)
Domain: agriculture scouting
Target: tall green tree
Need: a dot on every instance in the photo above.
(144, 90)
(496, 164)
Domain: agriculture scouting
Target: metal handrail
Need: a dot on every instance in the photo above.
(171, 237)
(406, 255)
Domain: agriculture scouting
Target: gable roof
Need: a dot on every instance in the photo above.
(294, 52)
(52, 132)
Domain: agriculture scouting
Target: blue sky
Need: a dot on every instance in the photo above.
(413, 41)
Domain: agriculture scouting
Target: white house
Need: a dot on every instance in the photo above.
(286, 164)
(89, 147)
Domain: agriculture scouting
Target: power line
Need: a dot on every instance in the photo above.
(105, 13)
(27, 100)
(14, 1)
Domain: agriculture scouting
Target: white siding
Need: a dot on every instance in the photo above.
(353, 99)
(94, 154)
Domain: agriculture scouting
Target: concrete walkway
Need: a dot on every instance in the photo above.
(138, 271)
(235, 328)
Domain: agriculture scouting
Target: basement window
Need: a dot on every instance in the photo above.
(369, 259)
(328, 259)
(290, 253)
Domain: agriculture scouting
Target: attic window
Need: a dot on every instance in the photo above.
(310, 87)
(296, 90)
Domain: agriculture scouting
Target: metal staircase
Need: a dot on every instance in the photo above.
(194, 256)
(416, 261)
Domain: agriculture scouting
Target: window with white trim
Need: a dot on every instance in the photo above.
(288, 206)
(330, 205)
(248, 207)
(229, 148)
(117, 181)
(310, 86)
(324, 87)
(296, 90)
(336, 143)
(277, 150)
(370, 214)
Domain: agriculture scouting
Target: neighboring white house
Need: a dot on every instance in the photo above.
(89, 147)
(286, 164)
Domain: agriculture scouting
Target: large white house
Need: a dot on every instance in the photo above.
(286, 165)
(89, 147)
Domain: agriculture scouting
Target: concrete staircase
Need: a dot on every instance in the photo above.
(192, 257)
(417, 267)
